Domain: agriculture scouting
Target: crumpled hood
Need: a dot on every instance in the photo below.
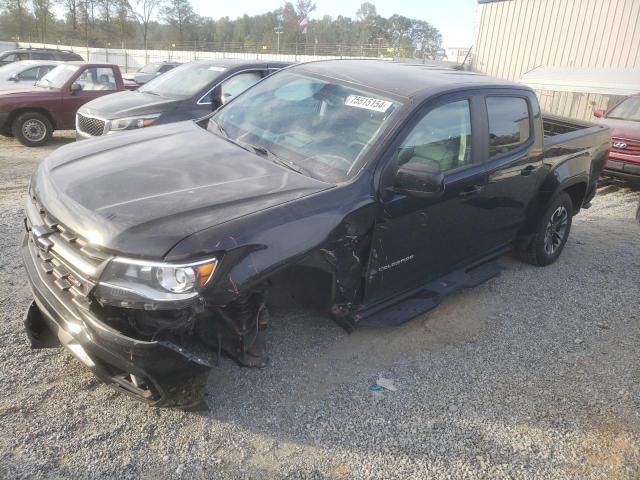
(128, 104)
(138, 193)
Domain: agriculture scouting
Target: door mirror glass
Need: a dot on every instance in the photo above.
(419, 180)
(599, 113)
(216, 98)
(76, 87)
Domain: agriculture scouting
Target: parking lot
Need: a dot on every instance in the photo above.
(531, 375)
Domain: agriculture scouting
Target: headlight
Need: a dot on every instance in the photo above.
(134, 283)
(132, 123)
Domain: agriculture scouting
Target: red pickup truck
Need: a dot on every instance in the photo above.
(32, 113)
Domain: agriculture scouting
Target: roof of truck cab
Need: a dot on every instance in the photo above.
(238, 62)
(402, 79)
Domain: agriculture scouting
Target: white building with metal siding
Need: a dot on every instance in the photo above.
(514, 37)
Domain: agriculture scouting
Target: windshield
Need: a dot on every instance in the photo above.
(150, 68)
(184, 81)
(57, 77)
(320, 127)
(629, 109)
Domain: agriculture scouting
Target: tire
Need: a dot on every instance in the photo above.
(550, 234)
(32, 129)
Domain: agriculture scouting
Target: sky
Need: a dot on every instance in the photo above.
(454, 18)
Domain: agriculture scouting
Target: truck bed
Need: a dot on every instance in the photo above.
(554, 125)
(562, 130)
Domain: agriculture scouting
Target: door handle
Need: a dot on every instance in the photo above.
(528, 170)
(470, 191)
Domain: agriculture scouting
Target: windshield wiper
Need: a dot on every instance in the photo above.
(263, 152)
(269, 155)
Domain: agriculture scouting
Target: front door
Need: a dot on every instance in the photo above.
(417, 240)
(93, 82)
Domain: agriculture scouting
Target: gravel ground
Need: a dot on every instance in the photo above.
(531, 375)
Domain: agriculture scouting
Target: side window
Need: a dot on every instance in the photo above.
(44, 70)
(239, 83)
(508, 124)
(93, 79)
(442, 139)
(30, 74)
(9, 58)
(41, 56)
(165, 68)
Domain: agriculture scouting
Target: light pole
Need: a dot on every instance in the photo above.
(278, 32)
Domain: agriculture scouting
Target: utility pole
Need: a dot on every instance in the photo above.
(278, 31)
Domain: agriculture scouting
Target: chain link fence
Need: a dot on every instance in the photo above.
(132, 57)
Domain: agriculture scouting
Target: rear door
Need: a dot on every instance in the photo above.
(417, 240)
(513, 162)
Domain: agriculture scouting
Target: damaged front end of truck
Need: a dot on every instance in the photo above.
(144, 327)
(153, 329)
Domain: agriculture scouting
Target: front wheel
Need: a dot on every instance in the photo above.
(32, 129)
(550, 235)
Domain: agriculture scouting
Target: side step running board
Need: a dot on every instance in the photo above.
(425, 299)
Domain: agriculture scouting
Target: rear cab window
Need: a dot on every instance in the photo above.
(509, 124)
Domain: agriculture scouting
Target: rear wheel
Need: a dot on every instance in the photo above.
(32, 129)
(550, 235)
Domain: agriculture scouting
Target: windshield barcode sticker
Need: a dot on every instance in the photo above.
(367, 102)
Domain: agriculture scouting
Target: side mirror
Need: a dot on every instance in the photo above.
(76, 87)
(599, 113)
(225, 98)
(15, 77)
(418, 180)
(216, 99)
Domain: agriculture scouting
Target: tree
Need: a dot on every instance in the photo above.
(367, 11)
(17, 11)
(426, 37)
(179, 14)
(72, 8)
(42, 12)
(304, 8)
(143, 12)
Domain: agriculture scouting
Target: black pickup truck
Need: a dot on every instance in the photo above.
(369, 189)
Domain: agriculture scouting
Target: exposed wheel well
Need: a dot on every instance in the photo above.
(577, 193)
(303, 286)
(19, 111)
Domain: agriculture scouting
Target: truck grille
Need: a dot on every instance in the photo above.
(67, 262)
(625, 146)
(90, 125)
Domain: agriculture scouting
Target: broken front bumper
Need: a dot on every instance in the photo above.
(160, 373)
